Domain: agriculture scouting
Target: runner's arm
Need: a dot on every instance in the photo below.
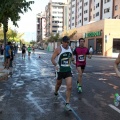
(55, 54)
(116, 63)
(89, 54)
(73, 60)
(9, 50)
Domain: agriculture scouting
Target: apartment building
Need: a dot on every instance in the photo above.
(86, 11)
(56, 17)
(98, 21)
(41, 26)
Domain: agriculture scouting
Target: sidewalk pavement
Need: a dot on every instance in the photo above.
(101, 56)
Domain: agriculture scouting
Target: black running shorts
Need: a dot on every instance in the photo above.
(23, 51)
(7, 57)
(82, 66)
(63, 75)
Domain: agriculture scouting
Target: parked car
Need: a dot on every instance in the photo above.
(41, 48)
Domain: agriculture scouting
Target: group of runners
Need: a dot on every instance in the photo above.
(65, 56)
(29, 49)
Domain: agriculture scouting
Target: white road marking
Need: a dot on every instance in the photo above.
(29, 96)
(1, 97)
(114, 108)
(102, 79)
(99, 73)
(89, 66)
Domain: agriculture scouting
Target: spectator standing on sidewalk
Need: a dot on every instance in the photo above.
(7, 55)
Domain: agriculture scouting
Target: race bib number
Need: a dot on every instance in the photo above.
(81, 58)
(65, 62)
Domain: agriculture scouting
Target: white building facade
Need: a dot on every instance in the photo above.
(85, 11)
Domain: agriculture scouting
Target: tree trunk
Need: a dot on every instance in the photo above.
(5, 41)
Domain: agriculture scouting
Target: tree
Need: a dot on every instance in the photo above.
(32, 42)
(11, 9)
(12, 35)
(54, 38)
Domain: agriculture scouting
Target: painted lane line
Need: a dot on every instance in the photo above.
(75, 114)
(115, 108)
(29, 96)
(2, 97)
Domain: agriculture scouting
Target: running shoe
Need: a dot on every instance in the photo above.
(79, 89)
(67, 107)
(116, 101)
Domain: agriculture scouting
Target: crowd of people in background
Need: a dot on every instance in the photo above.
(10, 50)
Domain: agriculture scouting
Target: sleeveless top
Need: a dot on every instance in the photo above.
(81, 53)
(64, 59)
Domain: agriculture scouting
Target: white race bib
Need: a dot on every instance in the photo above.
(65, 62)
(81, 58)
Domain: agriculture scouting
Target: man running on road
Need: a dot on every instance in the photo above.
(117, 96)
(29, 51)
(63, 67)
(23, 51)
(81, 52)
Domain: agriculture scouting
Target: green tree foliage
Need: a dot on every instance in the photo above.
(32, 42)
(11, 9)
(12, 35)
(54, 38)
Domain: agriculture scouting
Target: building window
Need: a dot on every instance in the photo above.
(93, 15)
(55, 7)
(60, 12)
(60, 17)
(54, 12)
(72, 18)
(38, 19)
(73, 6)
(85, 4)
(116, 45)
(72, 24)
(55, 26)
(106, 10)
(80, 7)
(106, 1)
(97, 5)
(85, 19)
(54, 30)
(80, 14)
(59, 7)
(85, 11)
(116, 7)
(97, 14)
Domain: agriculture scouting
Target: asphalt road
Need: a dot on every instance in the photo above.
(28, 93)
